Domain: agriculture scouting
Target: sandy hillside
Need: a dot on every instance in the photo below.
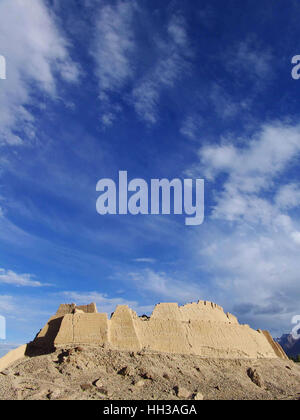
(89, 372)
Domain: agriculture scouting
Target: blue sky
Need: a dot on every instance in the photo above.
(199, 89)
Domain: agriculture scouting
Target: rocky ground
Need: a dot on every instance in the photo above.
(89, 372)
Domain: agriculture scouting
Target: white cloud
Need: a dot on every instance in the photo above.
(113, 49)
(35, 52)
(114, 43)
(191, 127)
(145, 260)
(288, 196)
(170, 65)
(248, 59)
(120, 61)
(12, 278)
(108, 119)
(253, 267)
(163, 286)
(296, 237)
(177, 31)
(217, 159)
(254, 259)
(266, 153)
(251, 171)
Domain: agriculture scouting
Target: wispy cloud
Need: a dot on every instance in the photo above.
(172, 62)
(35, 52)
(114, 42)
(191, 127)
(288, 196)
(226, 106)
(119, 57)
(145, 260)
(249, 65)
(163, 286)
(249, 59)
(14, 279)
(113, 50)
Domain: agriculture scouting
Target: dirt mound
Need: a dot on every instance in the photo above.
(93, 372)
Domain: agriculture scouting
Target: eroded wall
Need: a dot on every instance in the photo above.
(198, 328)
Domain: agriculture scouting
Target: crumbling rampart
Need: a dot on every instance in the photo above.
(201, 328)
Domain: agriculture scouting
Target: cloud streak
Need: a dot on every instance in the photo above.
(120, 60)
(162, 285)
(22, 280)
(113, 50)
(36, 52)
(172, 62)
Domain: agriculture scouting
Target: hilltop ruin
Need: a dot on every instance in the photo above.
(200, 328)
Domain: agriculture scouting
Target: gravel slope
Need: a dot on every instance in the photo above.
(89, 372)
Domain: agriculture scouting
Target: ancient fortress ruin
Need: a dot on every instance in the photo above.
(200, 328)
(197, 328)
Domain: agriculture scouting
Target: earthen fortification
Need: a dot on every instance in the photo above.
(201, 328)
